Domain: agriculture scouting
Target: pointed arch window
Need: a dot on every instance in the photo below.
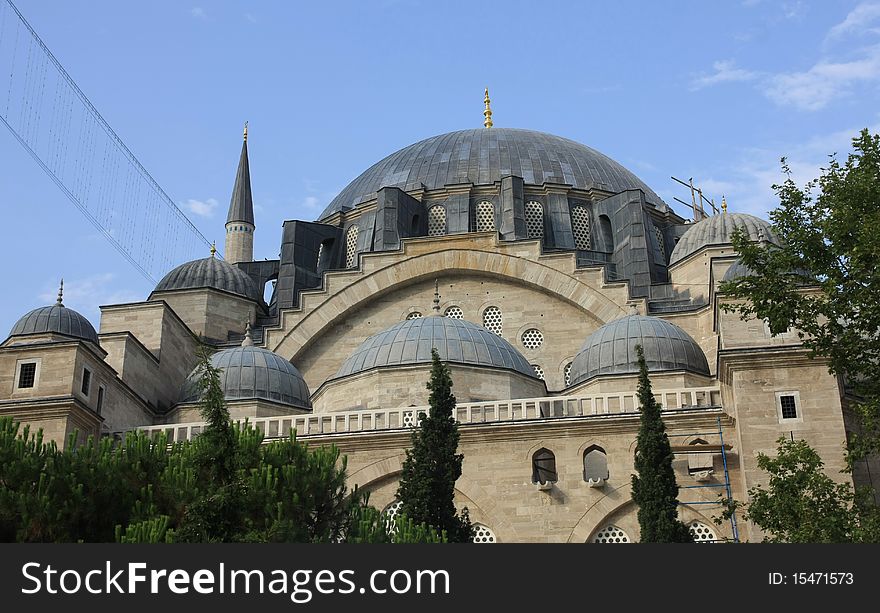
(544, 466)
(595, 463)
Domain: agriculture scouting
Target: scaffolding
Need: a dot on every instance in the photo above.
(703, 469)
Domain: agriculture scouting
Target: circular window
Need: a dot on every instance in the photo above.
(702, 533)
(532, 338)
(492, 320)
(453, 312)
(539, 372)
(414, 315)
(611, 534)
(482, 534)
(566, 373)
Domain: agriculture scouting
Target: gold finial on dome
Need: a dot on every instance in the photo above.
(60, 294)
(245, 131)
(213, 248)
(723, 204)
(488, 112)
(248, 341)
(436, 306)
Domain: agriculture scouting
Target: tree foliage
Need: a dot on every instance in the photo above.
(802, 504)
(432, 465)
(831, 228)
(654, 489)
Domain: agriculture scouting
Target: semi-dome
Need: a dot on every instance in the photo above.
(483, 157)
(717, 230)
(611, 350)
(210, 272)
(55, 319)
(250, 373)
(456, 340)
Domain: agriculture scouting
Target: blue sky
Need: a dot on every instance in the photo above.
(718, 91)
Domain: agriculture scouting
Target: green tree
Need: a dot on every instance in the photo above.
(432, 465)
(803, 505)
(829, 228)
(654, 489)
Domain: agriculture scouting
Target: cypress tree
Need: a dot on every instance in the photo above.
(654, 489)
(432, 466)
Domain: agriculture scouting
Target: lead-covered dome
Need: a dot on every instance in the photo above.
(250, 373)
(717, 230)
(212, 273)
(55, 319)
(456, 340)
(611, 350)
(483, 157)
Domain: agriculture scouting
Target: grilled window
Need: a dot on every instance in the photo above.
(27, 375)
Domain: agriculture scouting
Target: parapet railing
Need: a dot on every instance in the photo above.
(467, 413)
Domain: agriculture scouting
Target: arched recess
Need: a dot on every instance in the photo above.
(304, 326)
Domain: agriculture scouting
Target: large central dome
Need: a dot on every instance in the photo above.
(483, 157)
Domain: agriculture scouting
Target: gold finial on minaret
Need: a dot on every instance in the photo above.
(436, 297)
(488, 112)
(60, 294)
(723, 204)
(213, 248)
(245, 131)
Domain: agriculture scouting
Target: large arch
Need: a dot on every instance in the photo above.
(312, 322)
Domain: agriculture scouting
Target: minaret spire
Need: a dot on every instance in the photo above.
(240, 220)
(248, 341)
(436, 306)
(60, 294)
(488, 112)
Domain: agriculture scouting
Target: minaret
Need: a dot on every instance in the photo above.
(240, 221)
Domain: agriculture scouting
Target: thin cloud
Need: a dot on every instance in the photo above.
(250, 17)
(202, 208)
(726, 71)
(859, 21)
(198, 12)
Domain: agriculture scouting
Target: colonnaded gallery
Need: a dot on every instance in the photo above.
(551, 262)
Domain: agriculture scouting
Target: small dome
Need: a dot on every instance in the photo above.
(211, 273)
(717, 230)
(55, 319)
(611, 350)
(456, 340)
(253, 372)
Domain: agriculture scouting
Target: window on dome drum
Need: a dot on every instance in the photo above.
(566, 374)
(611, 534)
(27, 375)
(544, 466)
(595, 463)
(414, 315)
(661, 244)
(485, 216)
(100, 404)
(532, 338)
(351, 239)
(535, 219)
(702, 533)
(492, 320)
(86, 381)
(482, 534)
(391, 512)
(454, 312)
(788, 406)
(539, 372)
(700, 461)
(580, 226)
(437, 220)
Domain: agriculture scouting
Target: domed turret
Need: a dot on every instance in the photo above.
(717, 230)
(213, 273)
(456, 340)
(55, 319)
(611, 350)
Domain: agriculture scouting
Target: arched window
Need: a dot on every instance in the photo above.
(532, 338)
(580, 226)
(437, 220)
(544, 466)
(607, 233)
(351, 239)
(485, 216)
(414, 315)
(535, 219)
(611, 534)
(566, 374)
(595, 463)
(702, 533)
(539, 372)
(391, 512)
(492, 320)
(454, 312)
(661, 243)
(482, 534)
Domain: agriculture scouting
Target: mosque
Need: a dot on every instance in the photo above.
(534, 265)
